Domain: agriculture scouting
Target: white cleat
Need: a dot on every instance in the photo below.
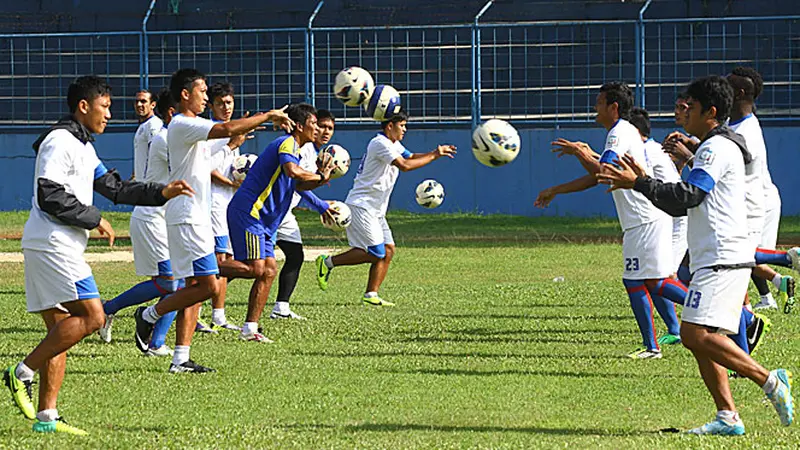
(255, 337)
(290, 315)
(765, 304)
(794, 256)
(160, 351)
(105, 330)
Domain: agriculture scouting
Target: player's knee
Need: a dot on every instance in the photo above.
(209, 285)
(376, 252)
(166, 285)
(95, 320)
(688, 338)
(389, 251)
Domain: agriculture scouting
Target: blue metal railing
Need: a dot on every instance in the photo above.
(449, 75)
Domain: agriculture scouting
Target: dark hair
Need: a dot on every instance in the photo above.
(713, 91)
(682, 95)
(183, 79)
(640, 118)
(87, 87)
(164, 103)
(397, 117)
(300, 112)
(754, 76)
(619, 93)
(148, 92)
(219, 89)
(324, 114)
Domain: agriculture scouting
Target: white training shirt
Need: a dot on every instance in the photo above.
(717, 232)
(190, 160)
(308, 162)
(633, 208)
(141, 141)
(750, 128)
(62, 158)
(157, 171)
(221, 160)
(376, 175)
(663, 167)
(754, 194)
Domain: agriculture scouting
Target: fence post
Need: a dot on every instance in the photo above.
(144, 59)
(476, 66)
(310, 88)
(640, 52)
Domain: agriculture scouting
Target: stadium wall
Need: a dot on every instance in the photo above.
(469, 186)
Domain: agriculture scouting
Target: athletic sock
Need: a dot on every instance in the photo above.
(747, 315)
(729, 417)
(672, 290)
(773, 257)
(666, 310)
(329, 262)
(740, 338)
(161, 328)
(142, 292)
(150, 315)
(771, 384)
(250, 328)
(642, 307)
(282, 308)
(181, 354)
(776, 280)
(371, 294)
(218, 316)
(47, 415)
(23, 372)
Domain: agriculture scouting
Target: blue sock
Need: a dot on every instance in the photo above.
(773, 257)
(666, 310)
(747, 316)
(740, 338)
(642, 311)
(671, 290)
(142, 292)
(161, 328)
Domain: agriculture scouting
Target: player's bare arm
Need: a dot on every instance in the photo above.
(580, 184)
(417, 160)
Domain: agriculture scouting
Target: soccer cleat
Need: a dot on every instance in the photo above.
(643, 353)
(781, 397)
(189, 367)
(105, 330)
(255, 337)
(765, 304)
(323, 273)
(786, 293)
(669, 339)
(20, 392)
(787, 307)
(289, 315)
(719, 427)
(216, 328)
(794, 257)
(160, 351)
(203, 327)
(756, 331)
(57, 426)
(144, 330)
(375, 301)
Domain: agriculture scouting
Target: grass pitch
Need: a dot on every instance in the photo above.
(484, 350)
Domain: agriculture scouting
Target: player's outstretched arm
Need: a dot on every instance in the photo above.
(306, 180)
(580, 184)
(316, 203)
(218, 178)
(111, 186)
(588, 158)
(417, 160)
(249, 123)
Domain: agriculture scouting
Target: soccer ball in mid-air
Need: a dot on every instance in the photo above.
(241, 165)
(495, 143)
(341, 220)
(384, 103)
(341, 159)
(430, 194)
(353, 86)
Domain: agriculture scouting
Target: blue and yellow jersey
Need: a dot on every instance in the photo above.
(266, 193)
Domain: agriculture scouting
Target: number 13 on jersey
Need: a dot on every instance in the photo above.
(693, 299)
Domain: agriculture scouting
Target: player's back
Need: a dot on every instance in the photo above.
(145, 133)
(156, 170)
(749, 128)
(663, 167)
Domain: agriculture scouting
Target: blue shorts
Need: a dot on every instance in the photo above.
(249, 237)
(221, 244)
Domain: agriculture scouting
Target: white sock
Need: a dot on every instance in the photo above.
(150, 315)
(371, 294)
(24, 372)
(218, 316)
(767, 298)
(47, 415)
(181, 354)
(250, 328)
(329, 262)
(771, 384)
(729, 417)
(748, 307)
(776, 280)
(282, 308)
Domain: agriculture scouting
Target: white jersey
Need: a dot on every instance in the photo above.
(190, 160)
(141, 142)
(663, 167)
(221, 160)
(376, 175)
(717, 227)
(63, 159)
(633, 208)
(750, 130)
(156, 171)
(308, 162)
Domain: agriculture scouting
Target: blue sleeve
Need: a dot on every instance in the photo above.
(406, 154)
(100, 170)
(315, 202)
(608, 157)
(701, 179)
(283, 158)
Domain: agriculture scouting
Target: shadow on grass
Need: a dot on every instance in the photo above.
(501, 340)
(17, 329)
(398, 427)
(490, 332)
(405, 354)
(532, 316)
(12, 292)
(531, 372)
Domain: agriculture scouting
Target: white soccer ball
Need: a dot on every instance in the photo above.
(430, 194)
(384, 103)
(341, 159)
(353, 86)
(495, 143)
(341, 220)
(241, 165)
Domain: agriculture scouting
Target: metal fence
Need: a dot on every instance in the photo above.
(534, 73)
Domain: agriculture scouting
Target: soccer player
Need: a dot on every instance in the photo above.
(260, 204)
(288, 236)
(369, 235)
(58, 282)
(191, 240)
(713, 197)
(647, 232)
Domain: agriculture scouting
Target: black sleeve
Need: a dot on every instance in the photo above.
(672, 198)
(111, 186)
(53, 199)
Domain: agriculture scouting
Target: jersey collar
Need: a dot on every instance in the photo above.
(730, 124)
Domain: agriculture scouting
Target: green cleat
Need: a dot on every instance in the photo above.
(323, 272)
(669, 339)
(57, 426)
(20, 392)
(786, 293)
(375, 301)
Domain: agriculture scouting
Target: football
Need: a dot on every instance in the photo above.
(241, 165)
(430, 194)
(341, 220)
(341, 159)
(495, 143)
(384, 103)
(353, 86)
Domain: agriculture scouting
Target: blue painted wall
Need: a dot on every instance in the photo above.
(469, 186)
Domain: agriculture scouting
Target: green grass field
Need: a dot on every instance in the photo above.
(484, 350)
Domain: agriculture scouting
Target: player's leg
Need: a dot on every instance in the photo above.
(265, 270)
(158, 346)
(379, 269)
(365, 236)
(642, 306)
(219, 320)
(287, 279)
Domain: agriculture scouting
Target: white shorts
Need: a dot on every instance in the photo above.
(715, 298)
(219, 226)
(150, 248)
(55, 278)
(679, 242)
(647, 251)
(191, 250)
(367, 229)
(769, 237)
(289, 230)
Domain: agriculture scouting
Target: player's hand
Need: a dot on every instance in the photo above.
(677, 151)
(328, 217)
(623, 177)
(280, 120)
(105, 229)
(544, 198)
(565, 147)
(677, 136)
(445, 150)
(325, 165)
(236, 184)
(177, 188)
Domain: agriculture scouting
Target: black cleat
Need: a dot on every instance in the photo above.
(189, 367)
(756, 331)
(144, 330)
